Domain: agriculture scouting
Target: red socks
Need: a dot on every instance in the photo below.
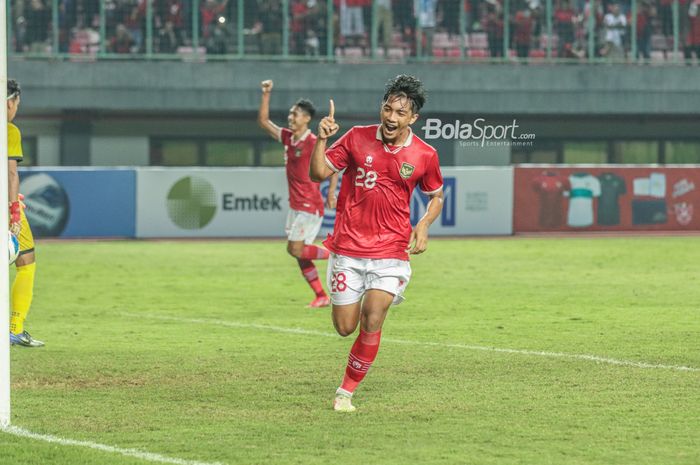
(362, 354)
(311, 252)
(311, 274)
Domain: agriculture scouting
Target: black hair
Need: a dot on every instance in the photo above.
(307, 106)
(13, 89)
(407, 86)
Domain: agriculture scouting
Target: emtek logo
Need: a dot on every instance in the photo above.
(191, 203)
(232, 203)
(419, 203)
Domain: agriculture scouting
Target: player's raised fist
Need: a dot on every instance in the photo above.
(327, 127)
(266, 85)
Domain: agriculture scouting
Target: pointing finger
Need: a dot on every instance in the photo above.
(331, 112)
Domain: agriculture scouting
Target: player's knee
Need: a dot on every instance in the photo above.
(344, 332)
(344, 328)
(25, 259)
(295, 250)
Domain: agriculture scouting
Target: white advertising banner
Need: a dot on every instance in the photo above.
(478, 201)
(211, 202)
(253, 202)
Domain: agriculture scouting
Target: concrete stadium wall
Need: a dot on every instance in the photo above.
(357, 88)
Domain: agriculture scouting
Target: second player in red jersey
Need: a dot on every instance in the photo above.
(368, 269)
(305, 202)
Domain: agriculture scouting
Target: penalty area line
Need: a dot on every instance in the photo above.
(536, 353)
(135, 453)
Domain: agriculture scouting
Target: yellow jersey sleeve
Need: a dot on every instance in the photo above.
(14, 143)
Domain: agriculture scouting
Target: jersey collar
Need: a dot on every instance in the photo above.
(301, 139)
(406, 143)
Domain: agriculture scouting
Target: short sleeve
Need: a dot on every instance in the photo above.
(286, 136)
(14, 143)
(431, 182)
(595, 186)
(338, 155)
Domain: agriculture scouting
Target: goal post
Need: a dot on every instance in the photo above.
(4, 269)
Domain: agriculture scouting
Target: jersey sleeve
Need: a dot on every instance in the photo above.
(285, 136)
(14, 143)
(431, 182)
(623, 187)
(338, 156)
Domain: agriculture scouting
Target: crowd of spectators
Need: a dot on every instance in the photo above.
(403, 27)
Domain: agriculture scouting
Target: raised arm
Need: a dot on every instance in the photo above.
(318, 170)
(264, 111)
(418, 242)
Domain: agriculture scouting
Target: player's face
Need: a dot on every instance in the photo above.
(396, 116)
(12, 107)
(297, 119)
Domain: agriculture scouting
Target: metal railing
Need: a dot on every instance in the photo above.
(505, 31)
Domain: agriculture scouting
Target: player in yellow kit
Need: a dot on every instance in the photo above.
(23, 287)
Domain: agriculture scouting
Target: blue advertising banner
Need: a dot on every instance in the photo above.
(80, 202)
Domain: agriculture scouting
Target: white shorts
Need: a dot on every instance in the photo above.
(302, 226)
(349, 278)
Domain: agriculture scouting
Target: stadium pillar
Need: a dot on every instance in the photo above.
(149, 29)
(633, 20)
(285, 28)
(195, 25)
(240, 24)
(506, 30)
(591, 30)
(462, 29)
(76, 133)
(54, 29)
(419, 38)
(676, 34)
(548, 12)
(4, 270)
(10, 21)
(103, 28)
(374, 32)
(330, 30)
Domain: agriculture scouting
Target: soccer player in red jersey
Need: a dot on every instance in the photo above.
(305, 201)
(368, 269)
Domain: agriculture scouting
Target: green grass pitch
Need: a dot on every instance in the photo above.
(178, 348)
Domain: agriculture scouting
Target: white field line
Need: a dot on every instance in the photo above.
(537, 353)
(147, 456)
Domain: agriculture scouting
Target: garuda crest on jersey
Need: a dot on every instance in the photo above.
(406, 170)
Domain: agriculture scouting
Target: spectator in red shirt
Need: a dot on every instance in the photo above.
(299, 12)
(493, 26)
(692, 43)
(210, 12)
(523, 32)
(644, 30)
(564, 17)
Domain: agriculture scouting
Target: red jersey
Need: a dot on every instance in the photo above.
(373, 218)
(551, 188)
(304, 194)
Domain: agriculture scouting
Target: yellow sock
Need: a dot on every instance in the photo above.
(22, 293)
